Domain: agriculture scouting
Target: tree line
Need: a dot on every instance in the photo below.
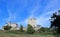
(29, 30)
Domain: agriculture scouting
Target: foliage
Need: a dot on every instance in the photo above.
(30, 29)
(42, 29)
(7, 27)
(47, 29)
(21, 28)
(55, 21)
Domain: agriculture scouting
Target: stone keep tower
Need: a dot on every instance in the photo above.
(32, 22)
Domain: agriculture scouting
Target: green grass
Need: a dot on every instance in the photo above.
(26, 35)
(8, 34)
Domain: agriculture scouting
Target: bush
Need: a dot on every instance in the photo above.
(7, 27)
(41, 30)
(30, 29)
(21, 28)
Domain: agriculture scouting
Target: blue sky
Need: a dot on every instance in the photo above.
(20, 10)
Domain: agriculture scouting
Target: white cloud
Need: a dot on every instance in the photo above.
(32, 13)
(53, 4)
(11, 16)
(43, 19)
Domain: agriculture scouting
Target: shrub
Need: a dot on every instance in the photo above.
(7, 27)
(41, 30)
(30, 29)
(21, 28)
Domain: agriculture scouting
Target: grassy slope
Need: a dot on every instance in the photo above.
(15, 35)
(4, 34)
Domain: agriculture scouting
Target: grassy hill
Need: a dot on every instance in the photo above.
(11, 34)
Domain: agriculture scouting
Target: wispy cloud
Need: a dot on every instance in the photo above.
(34, 11)
(11, 15)
(42, 19)
(52, 5)
(19, 9)
(50, 8)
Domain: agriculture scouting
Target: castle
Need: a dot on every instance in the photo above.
(13, 25)
(31, 21)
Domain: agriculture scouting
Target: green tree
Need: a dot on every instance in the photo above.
(55, 22)
(30, 29)
(21, 28)
(7, 27)
(42, 29)
(47, 29)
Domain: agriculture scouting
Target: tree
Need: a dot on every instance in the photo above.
(47, 29)
(21, 28)
(30, 29)
(55, 22)
(42, 29)
(7, 27)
